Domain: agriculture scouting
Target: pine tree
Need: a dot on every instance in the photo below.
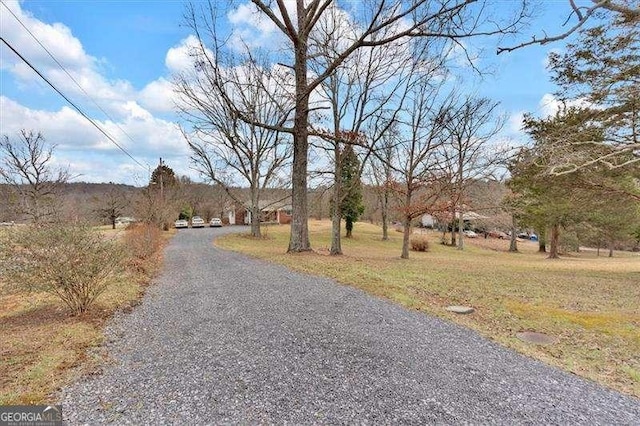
(600, 73)
(163, 176)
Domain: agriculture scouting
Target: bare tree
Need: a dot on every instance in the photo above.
(226, 148)
(421, 131)
(151, 207)
(470, 153)
(447, 20)
(359, 91)
(380, 173)
(113, 205)
(27, 167)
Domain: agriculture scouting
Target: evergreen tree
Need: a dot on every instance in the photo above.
(600, 72)
(351, 206)
(550, 201)
(163, 176)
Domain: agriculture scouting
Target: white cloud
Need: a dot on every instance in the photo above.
(179, 58)
(515, 122)
(253, 29)
(79, 143)
(549, 105)
(158, 96)
(57, 37)
(67, 49)
(248, 14)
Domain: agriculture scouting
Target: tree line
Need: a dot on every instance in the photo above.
(377, 83)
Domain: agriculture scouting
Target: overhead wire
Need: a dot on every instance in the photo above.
(80, 111)
(52, 56)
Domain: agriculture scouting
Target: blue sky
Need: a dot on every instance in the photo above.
(124, 52)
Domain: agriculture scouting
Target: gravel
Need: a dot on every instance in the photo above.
(224, 339)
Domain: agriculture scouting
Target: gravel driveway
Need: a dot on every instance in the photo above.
(224, 339)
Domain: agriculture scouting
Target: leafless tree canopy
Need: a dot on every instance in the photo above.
(470, 152)
(26, 165)
(226, 148)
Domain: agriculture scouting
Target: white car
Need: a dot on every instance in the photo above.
(181, 223)
(470, 234)
(197, 222)
(215, 222)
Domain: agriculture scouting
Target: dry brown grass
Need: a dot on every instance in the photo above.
(590, 304)
(41, 342)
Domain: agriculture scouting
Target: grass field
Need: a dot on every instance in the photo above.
(589, 304)
(43, 347)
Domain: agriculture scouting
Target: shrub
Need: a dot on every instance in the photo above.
(143, 241)
(73, 262)
(419, 243)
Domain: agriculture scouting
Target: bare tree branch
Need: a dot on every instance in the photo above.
(583, 15)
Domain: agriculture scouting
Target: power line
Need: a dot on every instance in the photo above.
(66, 72)
(73, 104)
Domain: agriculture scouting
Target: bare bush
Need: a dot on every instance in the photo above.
(143, 241)
(419, 243)
(73, 262)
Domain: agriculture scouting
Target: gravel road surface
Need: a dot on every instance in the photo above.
(224, 339)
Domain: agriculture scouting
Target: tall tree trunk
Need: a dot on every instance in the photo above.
(460, 229)
(513, 244)
(542, 242)
(385, 225)
(384, 212)
(336, 246)
(255, 221)
(299, 239)
(611, 249)
(255, 208)
(453, 227)
(554, 242)
(405, 237)
(406, 222)
(336, 198)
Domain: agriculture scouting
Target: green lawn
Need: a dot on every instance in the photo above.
(589, 304)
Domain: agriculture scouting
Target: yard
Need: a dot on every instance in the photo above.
(588, 304)
(44, 347)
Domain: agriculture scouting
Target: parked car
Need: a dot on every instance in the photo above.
(523, 235)
(181, 223)
(197, 222)
(469, 233)
(498, 234)
(215, 222)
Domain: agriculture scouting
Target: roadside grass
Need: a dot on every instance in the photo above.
(589, 304)
(43, 347)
